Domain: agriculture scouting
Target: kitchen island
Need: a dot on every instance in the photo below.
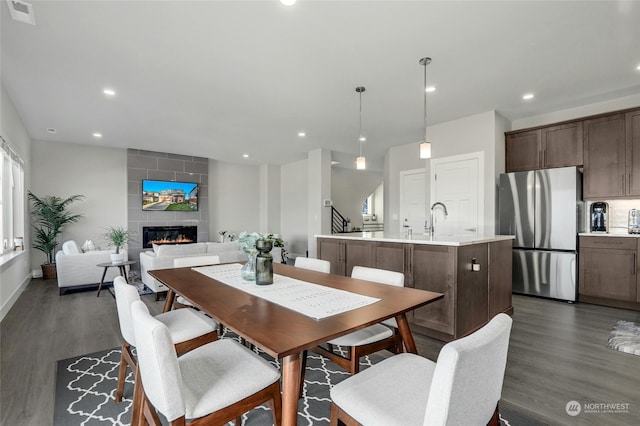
(473, 273)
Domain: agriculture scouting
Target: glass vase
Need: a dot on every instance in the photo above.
(248, 271)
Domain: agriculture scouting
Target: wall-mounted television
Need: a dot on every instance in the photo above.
(160, 195)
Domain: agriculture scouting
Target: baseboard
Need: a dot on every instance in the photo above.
(6, 307)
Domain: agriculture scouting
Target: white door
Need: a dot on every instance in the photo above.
(458, 182)
(412, 200)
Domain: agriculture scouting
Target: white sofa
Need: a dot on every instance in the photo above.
(77, 270)
(162, 256)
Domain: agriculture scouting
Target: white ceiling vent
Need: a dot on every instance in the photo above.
(21, 11)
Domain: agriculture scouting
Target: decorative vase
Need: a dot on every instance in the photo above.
(248, 271)
(264, 262)
(117, 257)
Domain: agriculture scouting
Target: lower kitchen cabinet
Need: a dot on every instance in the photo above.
(434, 269)
(608, 271)
(471, 297)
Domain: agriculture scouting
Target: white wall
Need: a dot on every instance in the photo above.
(98, 173)
(399, 158)
(234, 198)
(350, 188)
(15, 273)
(270, 199)
(378, 203)
(294, 206)
(466, 135)
(318, 190)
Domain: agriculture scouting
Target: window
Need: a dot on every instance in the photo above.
(11, 196)
(367, 206)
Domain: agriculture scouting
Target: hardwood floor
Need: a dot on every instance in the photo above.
(557, 354)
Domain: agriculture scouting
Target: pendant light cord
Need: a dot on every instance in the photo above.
(425, 101)
(425, 62)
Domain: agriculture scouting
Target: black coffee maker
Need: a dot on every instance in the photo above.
(599, 217)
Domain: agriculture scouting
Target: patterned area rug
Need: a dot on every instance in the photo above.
(625, 337)
(86, 385)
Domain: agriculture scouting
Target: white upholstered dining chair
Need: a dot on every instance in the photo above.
(212, 384)
(462, 388)
(370, 339)
(188, 328)
(184, 262)
(317, 265)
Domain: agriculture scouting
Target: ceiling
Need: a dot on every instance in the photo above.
(220, 79)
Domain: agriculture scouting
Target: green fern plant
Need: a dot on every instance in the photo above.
(50, 216)
(117, 237)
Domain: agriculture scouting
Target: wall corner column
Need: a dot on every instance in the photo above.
(319, 189)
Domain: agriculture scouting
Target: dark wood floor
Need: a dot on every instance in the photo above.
(557, 354)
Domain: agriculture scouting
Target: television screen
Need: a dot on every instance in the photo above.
(158, 195)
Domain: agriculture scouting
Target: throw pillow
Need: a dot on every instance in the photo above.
(70, 247)
(88, 246)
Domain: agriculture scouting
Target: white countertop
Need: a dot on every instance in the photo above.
(439, 240)
(615, 232)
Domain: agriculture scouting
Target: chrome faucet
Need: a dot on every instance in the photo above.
(432, 230)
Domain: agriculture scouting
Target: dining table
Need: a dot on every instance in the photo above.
(282, 332)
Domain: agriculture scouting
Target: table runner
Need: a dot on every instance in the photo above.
(313, 300)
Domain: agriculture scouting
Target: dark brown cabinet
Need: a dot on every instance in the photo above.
(434, 270)
(523, 151)
(562, 145)
(605, 168)
(543, 148)
(632, 134)
(334, 251)
(471, 297)
(609, 271)
(344, 257)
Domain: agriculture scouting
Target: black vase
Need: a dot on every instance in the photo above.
(264, 262)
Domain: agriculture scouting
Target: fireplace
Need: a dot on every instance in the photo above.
(168, 235)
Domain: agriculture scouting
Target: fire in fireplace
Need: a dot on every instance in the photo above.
(168, 235)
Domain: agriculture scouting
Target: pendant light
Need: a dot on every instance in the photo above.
(425, 145)
(361, 163)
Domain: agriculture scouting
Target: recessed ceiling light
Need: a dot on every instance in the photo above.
(109, 92)
(288, 2)
(302, 134)
(245, 155)
(638, 67)
(430, 89)
(527, 96)
(51, 130)
(97, 135)
(363, 139)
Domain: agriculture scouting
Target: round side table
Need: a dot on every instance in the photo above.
(120, 265)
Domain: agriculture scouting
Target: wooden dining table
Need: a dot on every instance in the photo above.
(284, 333)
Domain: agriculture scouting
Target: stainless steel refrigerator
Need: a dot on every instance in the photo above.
(543, 209)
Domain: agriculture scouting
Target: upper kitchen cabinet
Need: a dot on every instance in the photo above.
(632, 122)
(545, 147)
(562, 145)
(523, 150)
(606, 172)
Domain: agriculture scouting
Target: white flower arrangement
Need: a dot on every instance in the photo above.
(248, 241)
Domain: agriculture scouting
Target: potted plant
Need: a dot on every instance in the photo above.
(50, 215)
(117, 237)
